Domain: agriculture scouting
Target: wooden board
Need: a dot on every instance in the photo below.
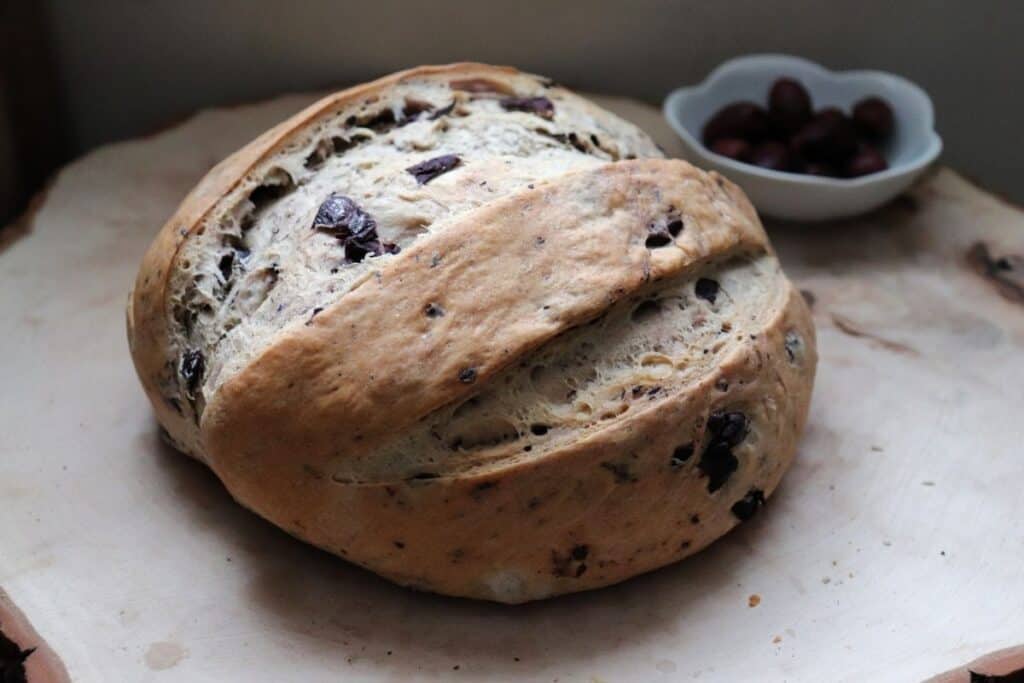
(891, 552)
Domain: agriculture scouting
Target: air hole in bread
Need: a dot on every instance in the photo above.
(480, 86)
(379, 122)
(465, 407)
(230, 239)
(657, 240)
(680, 455)
(614, 411)
(548, 383)
(646, 310)
(657, 365)
(316, 158)
(225, 265)
(277, 184)
(254, 288)
(340, 144)
(413, 109)
(483, 432)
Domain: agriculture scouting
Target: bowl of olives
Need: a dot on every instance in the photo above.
(806, 143)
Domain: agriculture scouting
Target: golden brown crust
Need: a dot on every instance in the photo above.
(510, 534)
(42, 665)
(509, 276)
(148, 315)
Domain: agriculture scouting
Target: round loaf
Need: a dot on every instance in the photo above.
(466, 329)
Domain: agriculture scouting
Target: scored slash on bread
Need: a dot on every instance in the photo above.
(509, 276)
(561, 348)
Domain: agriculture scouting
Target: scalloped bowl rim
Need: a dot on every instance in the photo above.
(932, 149)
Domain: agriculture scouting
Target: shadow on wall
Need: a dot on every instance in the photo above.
(127, 68)
(32, 130)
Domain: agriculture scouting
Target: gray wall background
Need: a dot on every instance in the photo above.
(126, 68)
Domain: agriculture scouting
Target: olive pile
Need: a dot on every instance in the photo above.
(790, 136)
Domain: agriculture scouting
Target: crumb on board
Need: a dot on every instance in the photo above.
(754, 600)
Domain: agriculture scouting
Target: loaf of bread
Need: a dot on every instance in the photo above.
(468, 330)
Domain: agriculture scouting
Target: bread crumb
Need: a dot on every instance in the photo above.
(777, 639)
(754, 600)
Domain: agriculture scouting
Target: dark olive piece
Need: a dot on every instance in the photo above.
(353, 227)
(541, 106)
(819, 169)
(873, 118)
(829, 137)
(706, 289)
(747, 506)
(193, 367)
(866, 161)
(734, 148)
(425, 171)
(772, 155)
(744, 120)
(789, 106)
(730, 427)
(717, 463)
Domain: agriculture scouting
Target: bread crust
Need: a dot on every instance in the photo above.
(510, 276)
(148, 315)
(374, 363)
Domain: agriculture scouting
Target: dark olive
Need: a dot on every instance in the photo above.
(830, 137)
(744, 120)
(820, 169)
(772, 154)
(873, 117)
(789, 106)
(866, 161)
(830, 114)
(734, 148)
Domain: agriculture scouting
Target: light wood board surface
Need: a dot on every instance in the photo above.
(891, 552)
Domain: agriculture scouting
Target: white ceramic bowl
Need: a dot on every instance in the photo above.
(914, 143)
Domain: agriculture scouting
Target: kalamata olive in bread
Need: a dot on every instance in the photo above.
(772, 154)
(734, 148)
(830, 137)
(744, 120)
(873, 118)
(789, 106)
(866, 161)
